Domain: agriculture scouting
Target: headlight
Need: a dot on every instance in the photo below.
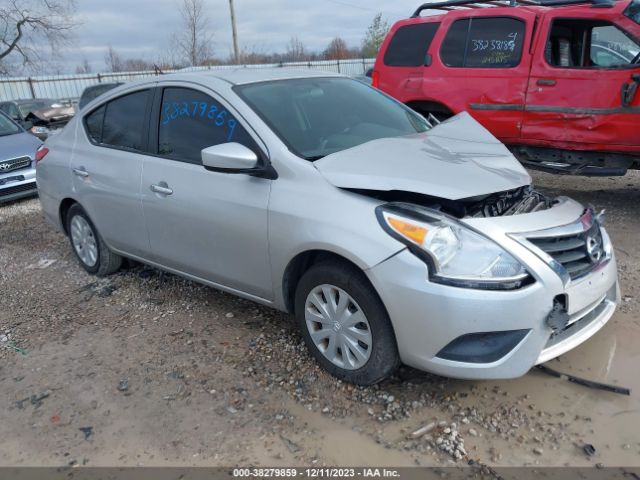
(456, 255)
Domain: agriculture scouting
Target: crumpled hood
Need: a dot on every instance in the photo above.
(18, 145)
(457, 159)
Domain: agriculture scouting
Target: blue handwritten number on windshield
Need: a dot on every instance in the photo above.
(200, 110)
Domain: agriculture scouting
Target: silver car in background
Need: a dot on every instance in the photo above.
(18, 150)
(392, 238)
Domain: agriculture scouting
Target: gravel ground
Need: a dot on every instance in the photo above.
(144, 368)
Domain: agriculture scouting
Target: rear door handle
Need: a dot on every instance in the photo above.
(80, 172)
(546, 82)
(161, 189)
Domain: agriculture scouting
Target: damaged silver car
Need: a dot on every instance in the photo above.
(391, 238)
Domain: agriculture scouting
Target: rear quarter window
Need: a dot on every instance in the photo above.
(495, 42)
(409, 45)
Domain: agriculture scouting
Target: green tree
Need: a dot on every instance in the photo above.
(375, 36)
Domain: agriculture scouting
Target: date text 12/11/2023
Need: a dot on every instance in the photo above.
(200, 110)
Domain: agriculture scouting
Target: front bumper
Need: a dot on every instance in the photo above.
(18, 184)
(427, 317)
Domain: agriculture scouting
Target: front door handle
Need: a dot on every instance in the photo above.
(546, 82)
(161, 189)
(80, 172)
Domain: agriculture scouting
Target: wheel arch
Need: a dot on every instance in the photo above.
(301, 263)
(430, 106)
(63, 210)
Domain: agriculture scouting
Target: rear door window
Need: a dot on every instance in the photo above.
(409, 45)
(495, 42)
(191, 121)
(124, 121)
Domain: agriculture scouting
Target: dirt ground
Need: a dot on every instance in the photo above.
(149, 369)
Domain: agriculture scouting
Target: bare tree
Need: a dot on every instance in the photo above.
(84, 67)
(27, 25)
(194, 41)
(337, 50)
(296, 51)
(113, 60)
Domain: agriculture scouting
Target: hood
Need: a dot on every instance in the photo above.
(52, 114)
(455, 160)
(18, 145)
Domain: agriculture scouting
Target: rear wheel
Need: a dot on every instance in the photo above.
(93, 254)
(345, 324)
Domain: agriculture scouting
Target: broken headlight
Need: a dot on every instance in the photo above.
(455, 254)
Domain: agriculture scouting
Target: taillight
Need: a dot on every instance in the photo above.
(375, 79)
(41, 153)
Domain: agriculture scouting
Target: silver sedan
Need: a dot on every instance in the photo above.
(391, 237)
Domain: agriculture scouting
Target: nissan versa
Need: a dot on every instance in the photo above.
(392, 238)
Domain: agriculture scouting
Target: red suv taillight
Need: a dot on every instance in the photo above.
(375, 79)
(41, 153)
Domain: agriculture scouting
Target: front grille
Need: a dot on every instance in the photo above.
(579, 254)
(14, 164)
(25, 187)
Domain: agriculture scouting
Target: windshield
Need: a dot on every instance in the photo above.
(7, 127)
(633, 11)
(316, 117)
(27, 108)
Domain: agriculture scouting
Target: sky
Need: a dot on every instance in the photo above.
(143, 28)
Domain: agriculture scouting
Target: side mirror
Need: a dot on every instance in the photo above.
(428, 60)
(369, 73)
(27, 125)
(234, 158)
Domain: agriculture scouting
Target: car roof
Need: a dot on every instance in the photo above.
(246, 75)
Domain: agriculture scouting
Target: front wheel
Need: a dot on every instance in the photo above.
(93, 254)
(345, 325)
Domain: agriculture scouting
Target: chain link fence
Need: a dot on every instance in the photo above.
(71, 86)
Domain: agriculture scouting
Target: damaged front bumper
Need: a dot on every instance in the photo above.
(474, 334)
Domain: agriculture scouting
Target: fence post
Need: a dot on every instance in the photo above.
(99, 78)
(33, 92)
(364, 66)
(339, 66)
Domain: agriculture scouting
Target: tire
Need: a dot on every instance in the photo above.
(103, 261)
(334, 280)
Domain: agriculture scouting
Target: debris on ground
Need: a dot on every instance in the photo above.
(423, 430)
(583, 382)
(88, 432)
(35, 400)
(589, 449)
(123, 385)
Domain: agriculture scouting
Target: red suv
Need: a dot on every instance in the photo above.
(556, 81)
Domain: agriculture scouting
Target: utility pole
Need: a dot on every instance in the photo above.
(236, 53)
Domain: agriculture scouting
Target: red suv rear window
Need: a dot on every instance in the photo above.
(409, 45)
